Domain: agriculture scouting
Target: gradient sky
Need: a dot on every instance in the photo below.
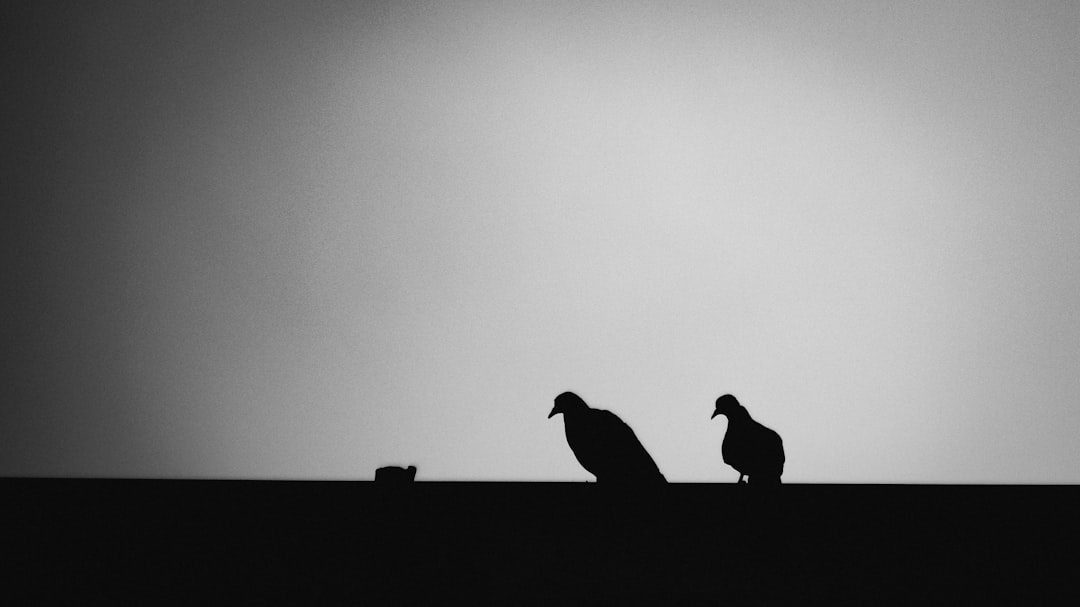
(303, 240)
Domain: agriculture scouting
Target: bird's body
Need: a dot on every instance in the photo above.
(750, 448)
(395, 474)
(603, 444)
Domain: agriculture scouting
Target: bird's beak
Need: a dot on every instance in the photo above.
(714, 414)
(554, 410)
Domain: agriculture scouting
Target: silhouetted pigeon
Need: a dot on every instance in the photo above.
(604, 444)
(395, 474)
(752, 449)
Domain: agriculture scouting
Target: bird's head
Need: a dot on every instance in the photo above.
(725, 405)
(567, 402)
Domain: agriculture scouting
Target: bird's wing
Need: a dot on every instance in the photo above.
(775, 444)
(771, 448)
(624, 455)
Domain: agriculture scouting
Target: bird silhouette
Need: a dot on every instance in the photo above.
(603, 444)
(395, 474)
(755, 451)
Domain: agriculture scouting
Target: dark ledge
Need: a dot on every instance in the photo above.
(198, 541)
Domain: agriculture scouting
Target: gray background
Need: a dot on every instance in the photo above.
(302, 240)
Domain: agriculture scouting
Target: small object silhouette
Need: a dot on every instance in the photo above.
(755, 451)
(603, 444)
(395, 474)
